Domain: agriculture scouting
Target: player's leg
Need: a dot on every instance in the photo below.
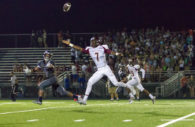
(13, 94)
(95, 77)
(112, 96)
(115, 93)
(142, 89)
(108, 72)
(132, 94)
(137, 93)
(116, 96)
(130, 85)
(63, 92)
(43, 85)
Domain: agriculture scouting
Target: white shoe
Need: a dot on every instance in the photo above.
(112, 99)
(82, 102)
(37, 102)
(79, 99)
(154, 99)
(130, 101)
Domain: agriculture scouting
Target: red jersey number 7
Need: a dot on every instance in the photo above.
(97, 55)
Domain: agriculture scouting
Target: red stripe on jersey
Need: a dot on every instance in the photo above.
(108, 51)
(85, 51)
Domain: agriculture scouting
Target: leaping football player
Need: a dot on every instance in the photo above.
(47, 66)
(98, 54)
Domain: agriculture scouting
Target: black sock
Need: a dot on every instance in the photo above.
(13, 97)
(40, 99)
(75, 96)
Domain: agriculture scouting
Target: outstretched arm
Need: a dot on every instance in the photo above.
(116, 53)
(72, 45)
(108, 51)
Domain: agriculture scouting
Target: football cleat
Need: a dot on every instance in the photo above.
(154, 99)
(79, 99)
(82, 102)
(37, 102)
(130, 101)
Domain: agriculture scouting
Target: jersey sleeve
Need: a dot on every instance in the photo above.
(86, 50)
(105, 46)
(106, 49)
(143, 72)
(39, 64)
(130, 68)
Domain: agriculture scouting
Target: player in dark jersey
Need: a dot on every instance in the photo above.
(47, 67)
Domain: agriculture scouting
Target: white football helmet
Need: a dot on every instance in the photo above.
(46, 58)
(136, 66)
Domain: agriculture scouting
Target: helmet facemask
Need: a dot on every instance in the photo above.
(47, 56)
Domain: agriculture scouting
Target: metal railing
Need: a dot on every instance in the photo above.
(173, 85)
(99, 89)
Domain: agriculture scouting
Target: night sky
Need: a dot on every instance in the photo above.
(21, 16)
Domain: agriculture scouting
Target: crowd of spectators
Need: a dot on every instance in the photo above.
(157, 50)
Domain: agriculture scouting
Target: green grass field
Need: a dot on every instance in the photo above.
(98, 113)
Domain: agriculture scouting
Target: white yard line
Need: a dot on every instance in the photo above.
(127, 120)
(173, 119)
(32, 110)
(11, 103)
(33, 120)
(176, 120)
(39, 109)
(80, 120)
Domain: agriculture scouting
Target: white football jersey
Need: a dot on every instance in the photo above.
(134, 72)
(98, 55)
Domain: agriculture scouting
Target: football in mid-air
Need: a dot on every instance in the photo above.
(67, 7)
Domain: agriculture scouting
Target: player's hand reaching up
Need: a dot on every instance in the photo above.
(66, 42)
(119, 54)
